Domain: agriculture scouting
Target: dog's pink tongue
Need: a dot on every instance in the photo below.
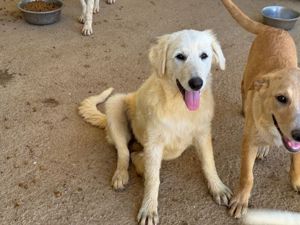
(192, 99)
(294, 145)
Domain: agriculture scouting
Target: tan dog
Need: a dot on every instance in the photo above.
(171, 111)
(271, 103)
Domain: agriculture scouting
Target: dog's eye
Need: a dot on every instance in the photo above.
(181, 57)
(282, 99)
(203, 55)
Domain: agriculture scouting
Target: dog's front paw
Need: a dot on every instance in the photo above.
(87, 30)
(220, 193)
(148, 214)
(111, 1)
(262, 152)
(238, 205)
(96, 9)
(120, 179)
(295, 181)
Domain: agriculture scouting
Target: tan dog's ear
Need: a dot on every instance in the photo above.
(260, 83)
(158, 55)
(218, 56)
(264, 81)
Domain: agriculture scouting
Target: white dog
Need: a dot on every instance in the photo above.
(171, 111)
(271, 217)
(88, 8)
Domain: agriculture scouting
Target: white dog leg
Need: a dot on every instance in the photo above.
(96, 7)
(148, 211)
(119, 134)
(121, 177)
(111, 1)
(82, 16)
(88, 18)
(221, 194)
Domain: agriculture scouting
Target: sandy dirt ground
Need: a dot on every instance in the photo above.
(55, 169)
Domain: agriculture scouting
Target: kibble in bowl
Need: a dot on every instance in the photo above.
(41, 12)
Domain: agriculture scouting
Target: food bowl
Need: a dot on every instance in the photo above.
(49, 12)
(280, 17)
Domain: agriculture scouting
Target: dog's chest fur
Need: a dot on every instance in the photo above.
(178, 135)
(165, 119)
(267, 135)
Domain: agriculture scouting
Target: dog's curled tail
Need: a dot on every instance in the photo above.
(247, 23)
(271, 217)
(88, 109)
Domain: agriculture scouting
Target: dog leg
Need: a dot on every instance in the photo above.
(88, 18)
(119, 133)
(239, 202)
(83, 12)
(96, 7)
(137, 159)
(262, 152)
(148, 211)
(243, 98)
(221, 194)
(295, 171)
(111, 1)
(121, 177)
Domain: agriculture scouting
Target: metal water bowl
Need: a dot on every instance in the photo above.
(280, 17)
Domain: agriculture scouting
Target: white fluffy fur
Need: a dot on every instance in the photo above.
(159, 119)
(91, 113)
(271, 217)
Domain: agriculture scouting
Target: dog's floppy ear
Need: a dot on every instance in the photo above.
(158, 55)
(259, 84)
(218, 55)
(264, 81)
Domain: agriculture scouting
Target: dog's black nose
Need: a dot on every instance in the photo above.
(296, 135)
(196, 83)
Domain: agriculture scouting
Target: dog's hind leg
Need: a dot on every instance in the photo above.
(96, 6)
(262, 152)
(111, 1)
(119, 134)
(82, 16)
(295, 171)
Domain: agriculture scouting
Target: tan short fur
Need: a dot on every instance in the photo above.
(271, 71)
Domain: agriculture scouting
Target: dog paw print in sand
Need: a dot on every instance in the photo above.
(50, 102)
(5, 77)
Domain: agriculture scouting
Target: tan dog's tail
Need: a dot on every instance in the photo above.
(88, 109)
(247, 23)
(271, 217)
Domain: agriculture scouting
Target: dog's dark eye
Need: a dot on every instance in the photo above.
(203, 55)
(282, 99)
(181, 57)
